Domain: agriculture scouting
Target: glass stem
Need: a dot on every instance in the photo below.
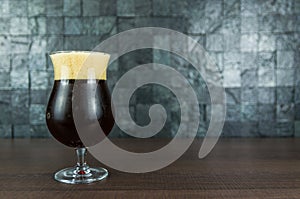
(81, 153)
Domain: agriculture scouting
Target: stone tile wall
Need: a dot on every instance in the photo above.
(254, 42)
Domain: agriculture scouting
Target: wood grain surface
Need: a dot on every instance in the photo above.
(236, 168)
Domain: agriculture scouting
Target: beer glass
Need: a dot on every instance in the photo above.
(94, 101)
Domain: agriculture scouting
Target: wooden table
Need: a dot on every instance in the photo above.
(236, 168)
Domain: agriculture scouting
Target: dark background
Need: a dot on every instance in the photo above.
(254, 42)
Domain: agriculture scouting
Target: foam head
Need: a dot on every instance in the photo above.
(80, 65)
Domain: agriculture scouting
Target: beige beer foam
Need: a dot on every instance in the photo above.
(79, 64)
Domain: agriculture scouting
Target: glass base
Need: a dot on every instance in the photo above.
(80, 175)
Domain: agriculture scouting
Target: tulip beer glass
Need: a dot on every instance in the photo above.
(94, 101)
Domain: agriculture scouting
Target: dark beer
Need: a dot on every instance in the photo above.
(59, 114)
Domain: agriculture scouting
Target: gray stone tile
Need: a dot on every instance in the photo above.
(214, 8)
(213, 25)
(91, 7)
(18, 8)
(19, 26)
(287, 41)
(143, 8)
(21, 131)
(249, 8)
(5, 114)
(285, 129)
(5, 45)
(72, 8)
(297, 76)
(20, 114)
(232, 42)
(4, 8)
(5, 131)
(195, 13)
(37, 114)
(232, 129)
(37, 25)
(297, 23)
(135, 58)
(144, 94)
(218, 59)
(38, 45)
(249, 113)
(37, 62)
(297, 112)
(5, 96)
(285, 95)
(4, 28)
(285, 112)
(266, 112)
(175, 23)
(285, 59)
(249, 42)
(296, 7)
(126, 8)
(19, 62)
(232, 8)
(161, 57)
(202, 130)
(267, 23)
(297, 129)
(266, 95)
(19, 103)
(296, 62)
(285, 23)
(39, 131)
(54, 8)
(214, 42)
(231, 25)
(232, 61)
(39, 96)
(80, 42)
(20, 98)
(19, 79)
(197, 26)
(249, 61)
(233, 112)
(249, 78)
(267, 129)
(99, 8)
(179, 8)
(249, 24)
(297, 94)
(99, 25)
(125, 24)
(249, 95)
(5, 63)
(39, 80)
(36, 7)
(285, 77)
(281, 7)
(266, 42)
(232, 78)
(19, 44)
(266, 60)
(73, 26)
(55, 25)
(163, 8)
(266, 77)
(55, 43)
(5, 82)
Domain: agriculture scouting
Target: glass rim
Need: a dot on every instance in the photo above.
(76, 51)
